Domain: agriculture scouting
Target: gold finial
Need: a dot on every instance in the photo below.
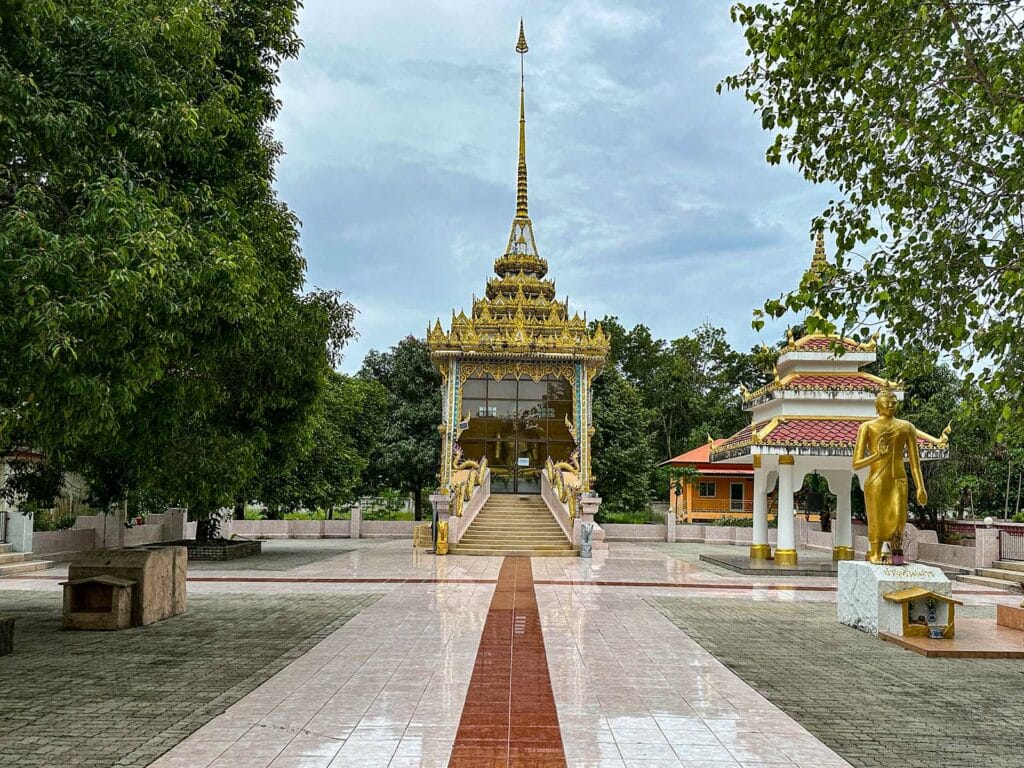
(819, 262)
(521, 199)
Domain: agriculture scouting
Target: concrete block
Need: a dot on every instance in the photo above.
(861, 601)
(158, 572)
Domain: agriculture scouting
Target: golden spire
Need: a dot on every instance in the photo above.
(819, 262)
(521, 49)
(521, 252)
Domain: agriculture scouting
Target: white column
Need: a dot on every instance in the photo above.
(760, 549)
(785, 552)
(842, 527)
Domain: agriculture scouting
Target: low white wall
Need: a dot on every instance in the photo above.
(139, 535)
(99, 531)
(62, 545)
(633, 532)
(287, 529)
(558, 510)
(457, 526)
(385, 529)
(946, 554)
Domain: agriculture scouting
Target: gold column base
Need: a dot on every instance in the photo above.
(842, 553)
(785, 557)
(760, 551)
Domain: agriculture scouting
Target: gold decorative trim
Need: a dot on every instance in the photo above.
(787, 459)
(939, 442)
(499, 369)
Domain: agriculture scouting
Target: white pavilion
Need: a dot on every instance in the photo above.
(806, 421)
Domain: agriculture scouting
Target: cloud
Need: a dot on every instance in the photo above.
(649, 193)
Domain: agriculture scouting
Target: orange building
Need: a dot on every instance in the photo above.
(717, 491)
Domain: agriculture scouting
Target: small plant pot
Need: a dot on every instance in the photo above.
(138, 520)
(898, 560)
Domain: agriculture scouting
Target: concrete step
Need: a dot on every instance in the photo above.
(25, 567)
(511, 552)
(512, 535)
(5, 548)
(516, 523)
(1009, 565)
(513, 515)
(951, 571)
(984, 581)
(999, 573)
(545, 526)
(525, 541)
(517, 545)
(510, 530)
(7, 558)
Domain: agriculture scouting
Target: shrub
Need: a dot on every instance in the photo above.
(52, 520)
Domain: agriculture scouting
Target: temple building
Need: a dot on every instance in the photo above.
(715, 491)
(518, 367)
(806, 421)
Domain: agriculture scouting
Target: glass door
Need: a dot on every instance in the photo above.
(516, 425)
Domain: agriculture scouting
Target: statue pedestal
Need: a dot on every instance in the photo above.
(861, 600)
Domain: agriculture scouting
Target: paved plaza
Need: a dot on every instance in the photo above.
(366, 653)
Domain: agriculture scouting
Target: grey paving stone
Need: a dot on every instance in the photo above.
(104, 699)
(872, 702)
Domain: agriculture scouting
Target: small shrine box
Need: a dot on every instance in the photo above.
(919, 610)
(98, 602)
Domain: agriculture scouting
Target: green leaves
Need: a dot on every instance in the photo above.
(149, 276)
(914, 111)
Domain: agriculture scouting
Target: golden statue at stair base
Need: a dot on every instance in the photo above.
(881, 444)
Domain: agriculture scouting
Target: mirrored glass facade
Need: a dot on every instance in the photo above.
(517, 425)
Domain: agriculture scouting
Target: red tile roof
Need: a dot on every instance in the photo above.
(838, 432)
(829, 381)
(801, 432)
(823, 343)
(699, 455)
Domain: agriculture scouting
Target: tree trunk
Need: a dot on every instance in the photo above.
(239, 509)
(1017, 507)
(1006, 501)
(417, 505)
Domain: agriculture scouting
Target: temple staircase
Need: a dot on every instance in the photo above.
(13, 563)
(514, 525)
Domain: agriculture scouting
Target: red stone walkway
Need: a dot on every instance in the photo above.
(509, 718)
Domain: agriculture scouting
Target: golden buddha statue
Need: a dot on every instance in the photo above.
(881, 444)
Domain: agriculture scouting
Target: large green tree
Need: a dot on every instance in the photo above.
(623, 454)
(408, 447)
(915, 110)
(689, 386)
(153, 332)
(974, 477)
(328, 470)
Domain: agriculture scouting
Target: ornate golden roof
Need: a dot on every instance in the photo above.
(519, 314)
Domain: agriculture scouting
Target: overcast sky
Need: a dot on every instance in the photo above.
(649, 193)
